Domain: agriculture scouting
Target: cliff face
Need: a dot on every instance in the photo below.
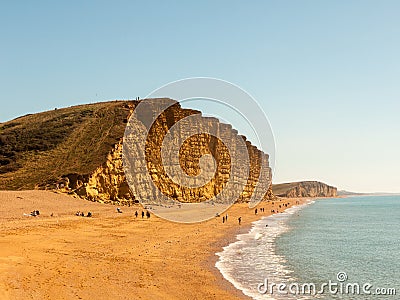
(304, 189)
(84, 156)
(106, 184)
(192, 149)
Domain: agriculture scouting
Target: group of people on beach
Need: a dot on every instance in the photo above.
(262, 209)
(89, 214)
(82, 214)
(225, 218)
(35, 213)
(136, 213)
(281, 206)
(147, 214)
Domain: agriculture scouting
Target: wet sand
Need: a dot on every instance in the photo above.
(111, 255)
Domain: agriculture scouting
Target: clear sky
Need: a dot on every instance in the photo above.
(325, 72)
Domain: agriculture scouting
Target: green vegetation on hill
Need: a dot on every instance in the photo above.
(38, 149)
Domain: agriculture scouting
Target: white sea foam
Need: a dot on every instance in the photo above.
(246, 262)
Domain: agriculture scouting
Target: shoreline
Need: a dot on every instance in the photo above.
(112, 255)
(224, 267)
(229, 237)
(232, 237)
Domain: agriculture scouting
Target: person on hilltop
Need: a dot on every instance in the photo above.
(240, 220)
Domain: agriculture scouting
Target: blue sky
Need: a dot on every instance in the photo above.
(325, 72)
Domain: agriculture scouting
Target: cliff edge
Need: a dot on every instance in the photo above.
(78, 150)
(304, 189)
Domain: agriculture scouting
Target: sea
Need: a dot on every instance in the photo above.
(336, 248)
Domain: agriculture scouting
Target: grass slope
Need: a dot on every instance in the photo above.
(39, 148)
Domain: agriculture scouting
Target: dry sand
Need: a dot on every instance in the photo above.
(111, 256)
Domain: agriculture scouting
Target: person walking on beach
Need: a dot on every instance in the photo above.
(240, 220)
(142, 214)
(226, 217)
(255, 211)
(147, 214)
(136, 214)
(223, 219)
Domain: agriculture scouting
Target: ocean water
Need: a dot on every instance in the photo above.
(328, 249)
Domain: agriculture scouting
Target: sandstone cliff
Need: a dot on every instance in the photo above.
(78, 150)
(304, 189)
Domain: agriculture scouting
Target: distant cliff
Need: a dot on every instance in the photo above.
(304, 189)
(78, 150)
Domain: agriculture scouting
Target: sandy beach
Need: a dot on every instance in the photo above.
(111, 255)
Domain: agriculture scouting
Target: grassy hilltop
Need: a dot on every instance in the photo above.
(37, 149)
